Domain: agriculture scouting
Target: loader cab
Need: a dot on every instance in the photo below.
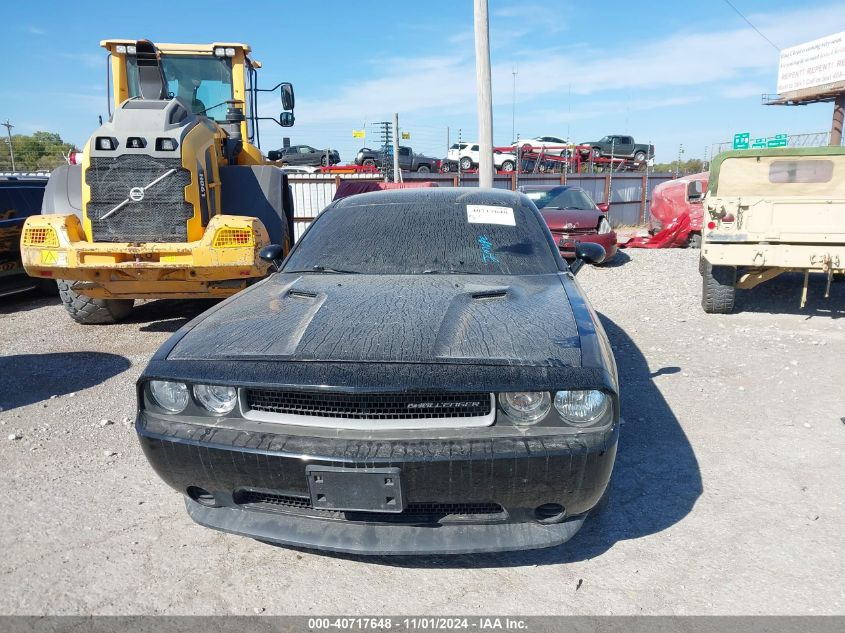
(204, 76)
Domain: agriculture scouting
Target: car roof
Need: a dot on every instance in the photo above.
(460, 195)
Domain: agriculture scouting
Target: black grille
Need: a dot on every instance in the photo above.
(160, 216)
(414, 511)
(399, 406)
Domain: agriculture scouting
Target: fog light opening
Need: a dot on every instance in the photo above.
(202, 496)
(549, 513)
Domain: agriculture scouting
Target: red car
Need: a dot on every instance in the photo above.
(573, 217)
(672, 198)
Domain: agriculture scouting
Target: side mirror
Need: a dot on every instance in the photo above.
(587, 253)
(287, 96)
(604, 207)
(286, 119)
(695, 190)
(273, 254)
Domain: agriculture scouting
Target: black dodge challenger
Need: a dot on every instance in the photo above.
(422, 375)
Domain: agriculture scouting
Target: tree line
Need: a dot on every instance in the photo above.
(41, 150)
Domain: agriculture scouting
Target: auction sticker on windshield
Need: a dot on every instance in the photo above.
(488, 214)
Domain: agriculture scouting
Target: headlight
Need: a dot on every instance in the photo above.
(170, 396)
(604, 226)
(216, 398)
(526, 407)
(582, 408)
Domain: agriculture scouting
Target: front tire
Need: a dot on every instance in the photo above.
(596, 152)
(423, 169)
(718, 288)
(639, 157)
(694, 240)
(507, 165)
(369, 162)
(89, 311)
(466, 163)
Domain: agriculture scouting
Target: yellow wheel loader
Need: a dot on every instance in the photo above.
(173, 198)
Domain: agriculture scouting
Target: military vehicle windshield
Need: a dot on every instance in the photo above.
(782, 176)
(203, 81)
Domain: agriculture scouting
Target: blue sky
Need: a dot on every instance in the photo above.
(665, 72)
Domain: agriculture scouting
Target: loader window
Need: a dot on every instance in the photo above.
(202, 81)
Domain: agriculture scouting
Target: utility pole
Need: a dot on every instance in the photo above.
(680, 151)
(838, 119)
(397, 173)
(484, 94)
(9, 127)
(386, 139)
(514, 71)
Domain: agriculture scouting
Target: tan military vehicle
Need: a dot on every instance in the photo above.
(771, 211)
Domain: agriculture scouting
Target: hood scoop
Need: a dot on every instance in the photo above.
(492, 293)
(301, 294)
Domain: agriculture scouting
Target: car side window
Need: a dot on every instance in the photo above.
(474, 148)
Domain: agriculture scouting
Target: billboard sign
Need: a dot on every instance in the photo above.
(811, 67)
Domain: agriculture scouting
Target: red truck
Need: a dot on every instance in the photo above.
(671, 199)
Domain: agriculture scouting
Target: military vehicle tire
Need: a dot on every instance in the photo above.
(694, 240)
(89, 311)
(718, 288)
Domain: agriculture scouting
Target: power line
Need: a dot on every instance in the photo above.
(759, 32)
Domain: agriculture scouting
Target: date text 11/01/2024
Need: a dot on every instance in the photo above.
(427, 623)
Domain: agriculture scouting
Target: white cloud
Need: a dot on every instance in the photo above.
(690, 61)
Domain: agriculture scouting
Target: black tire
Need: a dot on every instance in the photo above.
(596, 153)
(324, 162)
(445, 167)
(423, 169)
(88, 311)
(694, 240)
(718, 288)
(369, 162)
(508, 165)
(466, 163)
(639, 157)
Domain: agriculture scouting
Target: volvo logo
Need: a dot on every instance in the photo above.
(136, 194)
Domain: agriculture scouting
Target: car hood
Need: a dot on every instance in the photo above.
(561, 220)
(499, 320)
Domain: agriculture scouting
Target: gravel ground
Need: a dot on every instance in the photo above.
(727, 496)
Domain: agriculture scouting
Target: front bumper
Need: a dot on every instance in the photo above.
(606, 240)
(814, 257)
(207, 266)
(259, 487)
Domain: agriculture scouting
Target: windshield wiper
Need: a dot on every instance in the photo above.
(325, 269)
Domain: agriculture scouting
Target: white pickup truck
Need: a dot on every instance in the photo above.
(467, 155)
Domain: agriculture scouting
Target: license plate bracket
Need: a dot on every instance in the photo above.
(355, 489)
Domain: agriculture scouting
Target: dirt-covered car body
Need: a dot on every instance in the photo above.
(372, 386)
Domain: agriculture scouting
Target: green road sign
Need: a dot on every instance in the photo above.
(741, 140)
(779, 140)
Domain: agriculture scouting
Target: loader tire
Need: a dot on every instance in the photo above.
(89, 311)
(718, 288)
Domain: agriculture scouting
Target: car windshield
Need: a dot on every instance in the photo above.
(425, 235)
(561, 198)
(202, 81)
